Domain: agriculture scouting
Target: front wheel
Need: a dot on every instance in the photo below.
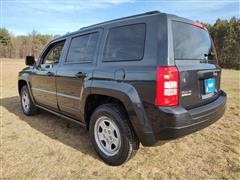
(27, 105)
(111, 135)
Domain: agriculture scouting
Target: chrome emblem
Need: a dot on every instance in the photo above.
(186, 93)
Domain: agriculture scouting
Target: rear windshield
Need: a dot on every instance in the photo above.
(191, 42)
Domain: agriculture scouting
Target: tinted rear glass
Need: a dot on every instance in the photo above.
(125, 43)
(191, 42)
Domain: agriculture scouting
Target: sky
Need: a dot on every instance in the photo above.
(21, 17)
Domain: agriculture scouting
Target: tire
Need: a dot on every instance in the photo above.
(111, 135)
(27, 105)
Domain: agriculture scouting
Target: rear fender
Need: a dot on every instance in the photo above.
(128, 95)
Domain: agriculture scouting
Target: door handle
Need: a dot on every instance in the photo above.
(50, 73)
(81, 75)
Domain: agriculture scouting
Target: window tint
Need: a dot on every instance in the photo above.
(125, 43)
(191, 42)
(54, 54)
(82, 48)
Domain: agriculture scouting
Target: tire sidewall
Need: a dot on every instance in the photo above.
(25, 89)
(123, 152)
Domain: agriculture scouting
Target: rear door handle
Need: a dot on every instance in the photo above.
(50, 73)
(80, 75)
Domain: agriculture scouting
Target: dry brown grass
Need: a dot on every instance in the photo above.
(46, 146)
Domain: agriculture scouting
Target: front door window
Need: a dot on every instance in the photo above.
(53, 55)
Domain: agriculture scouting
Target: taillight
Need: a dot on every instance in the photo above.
(167, 90)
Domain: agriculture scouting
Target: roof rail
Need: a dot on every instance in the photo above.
(137, 15)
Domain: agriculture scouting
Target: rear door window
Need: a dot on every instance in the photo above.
(125, 43)
(191, 42)
(82, 48)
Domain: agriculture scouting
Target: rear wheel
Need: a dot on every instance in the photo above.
(111, 135)
(27, 105)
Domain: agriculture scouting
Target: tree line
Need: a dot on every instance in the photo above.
(22, 45)
(225, 35)
(226, 38)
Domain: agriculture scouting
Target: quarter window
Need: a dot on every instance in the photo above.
(82, 48)
(125, 43)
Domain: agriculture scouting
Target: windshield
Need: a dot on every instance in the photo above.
(191, 42)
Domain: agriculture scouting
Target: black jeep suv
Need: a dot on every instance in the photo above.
(143, 78)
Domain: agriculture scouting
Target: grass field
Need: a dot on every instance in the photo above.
(46, 146)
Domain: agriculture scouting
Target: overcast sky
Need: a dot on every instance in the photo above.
(61, 16)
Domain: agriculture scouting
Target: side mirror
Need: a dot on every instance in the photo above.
(30, 60)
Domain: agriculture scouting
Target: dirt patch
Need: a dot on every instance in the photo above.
(46, 146)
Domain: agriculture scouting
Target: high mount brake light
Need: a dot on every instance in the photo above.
(198, 25)
(167, 86)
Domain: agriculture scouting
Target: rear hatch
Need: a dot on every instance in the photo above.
(195, 58)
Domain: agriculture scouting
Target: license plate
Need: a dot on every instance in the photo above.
(209, 85)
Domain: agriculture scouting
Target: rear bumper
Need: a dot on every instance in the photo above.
(176, 122)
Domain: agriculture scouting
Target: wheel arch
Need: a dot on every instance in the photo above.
(21, 83)
(124, 94)
(95, 100)
(24, 79)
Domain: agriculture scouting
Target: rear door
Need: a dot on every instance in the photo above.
(195, 58)
(75, 72)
